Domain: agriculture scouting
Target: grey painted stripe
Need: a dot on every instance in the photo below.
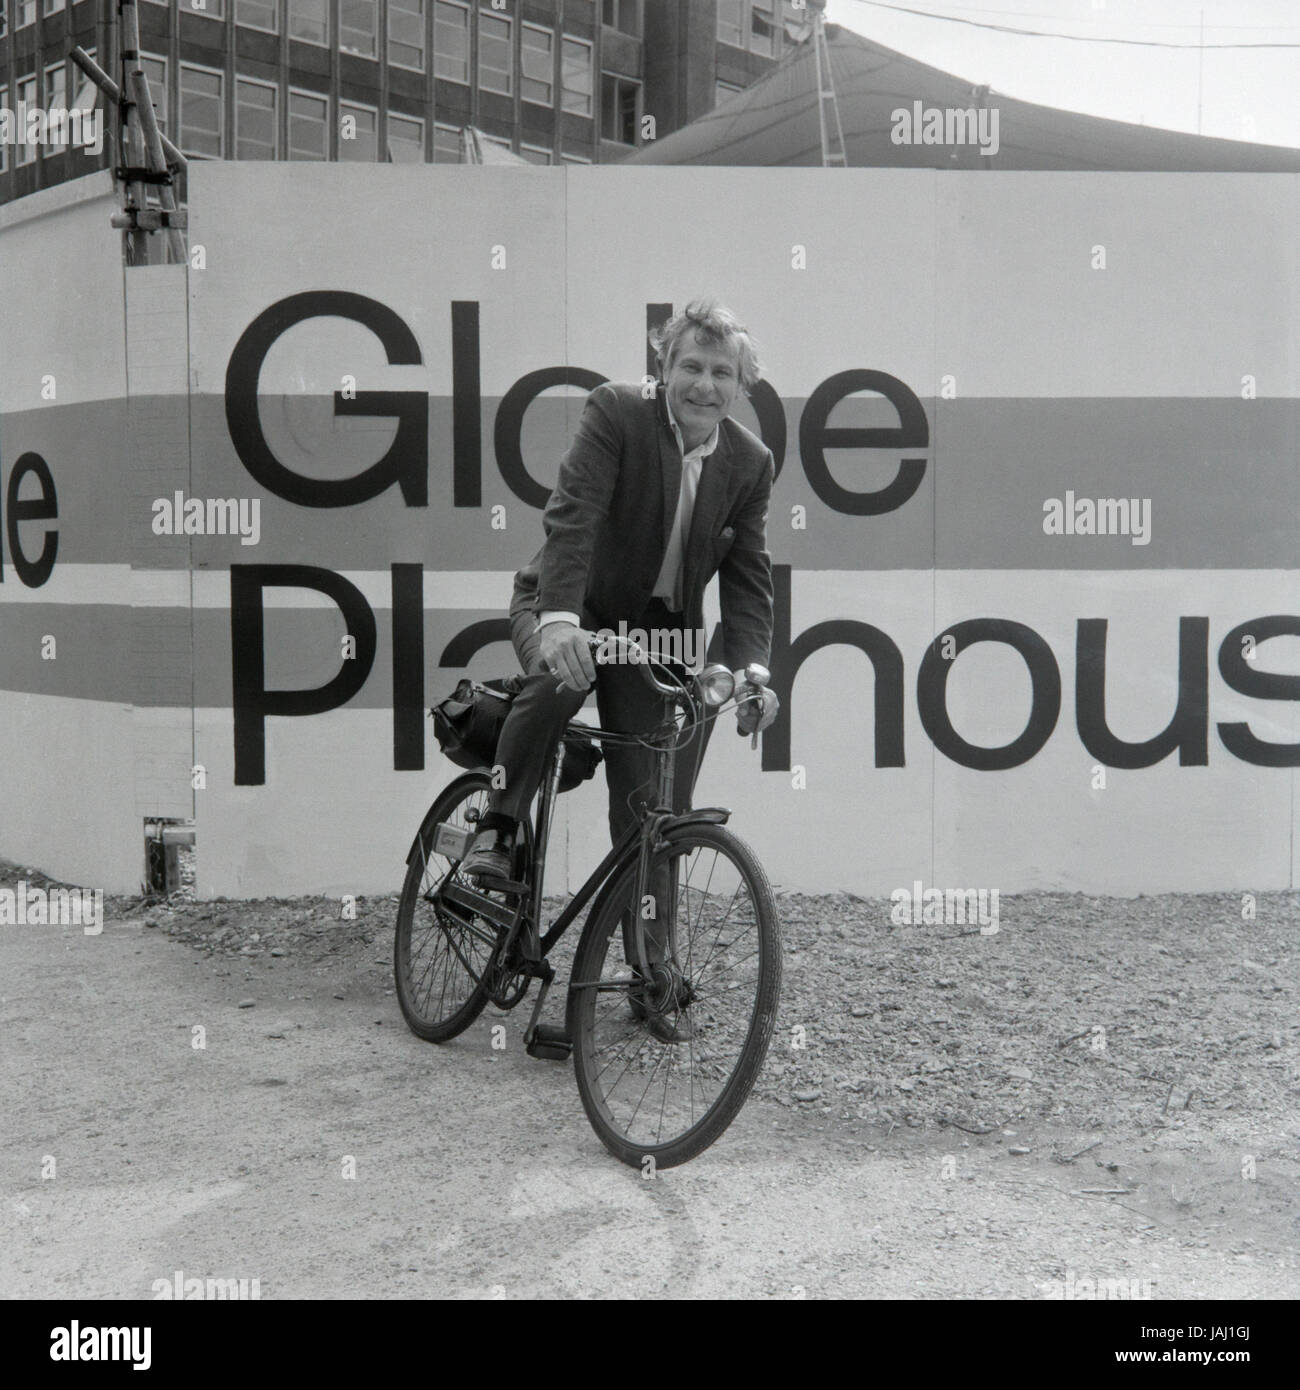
(99, 656)
(144, 656)
(1222, 476)
(93, 652)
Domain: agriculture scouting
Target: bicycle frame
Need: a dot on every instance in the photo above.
(647, 830)
(676, 919)
(643, 837)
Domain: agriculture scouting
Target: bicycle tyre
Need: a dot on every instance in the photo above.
(436, 1022)
(591, 963)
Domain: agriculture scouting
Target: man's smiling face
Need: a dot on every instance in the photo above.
(702, 383)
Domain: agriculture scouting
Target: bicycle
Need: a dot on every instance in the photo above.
(667, 1034)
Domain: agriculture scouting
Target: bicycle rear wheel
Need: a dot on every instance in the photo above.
(669, 1100)
(440, 954)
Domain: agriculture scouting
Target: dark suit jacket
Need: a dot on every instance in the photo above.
(607, 524)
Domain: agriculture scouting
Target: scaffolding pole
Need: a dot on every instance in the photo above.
(147, 158)
(834, 154)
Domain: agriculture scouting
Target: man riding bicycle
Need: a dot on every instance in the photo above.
(659, 492)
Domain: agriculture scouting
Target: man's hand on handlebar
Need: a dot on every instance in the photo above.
(756, 707)
(566, 651)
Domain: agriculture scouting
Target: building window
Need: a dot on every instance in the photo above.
(52, 7)
(56, 85)
(731, 13)
(25, 91)
(358, 133)
(26, 15)
(405, 139)
(201, 121)
(309, 20)
(618, 108)
(446, 144)
(624, 15)
(763, 28)
(155, 71)
(722, 90)
(56, 98)
(451, 41)
(755, 24)
(568, 157)
(4, 103)
(209, 9)
(255, 120)
(535, 81)
(575, 55)
(359, 27)
(406, 34)
(535, 154)
(495, 70)
(308, 126)
(258, 14)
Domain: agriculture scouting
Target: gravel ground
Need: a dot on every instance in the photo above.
(1096, 1013)
(1096, 1077)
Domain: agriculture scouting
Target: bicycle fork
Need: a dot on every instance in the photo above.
(660, 905)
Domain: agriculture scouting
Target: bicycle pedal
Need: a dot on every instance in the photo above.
(503, 885)
(497, 885)
(551, 1042)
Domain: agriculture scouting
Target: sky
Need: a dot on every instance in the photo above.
(1243, 93)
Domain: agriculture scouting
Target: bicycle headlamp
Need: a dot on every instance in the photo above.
(717, 684)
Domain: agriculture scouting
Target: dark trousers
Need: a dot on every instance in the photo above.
(624, 702)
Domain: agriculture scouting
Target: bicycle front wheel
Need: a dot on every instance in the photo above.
(664, 1068)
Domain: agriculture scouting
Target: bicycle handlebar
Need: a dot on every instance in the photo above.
(756, 676)
(595, 643)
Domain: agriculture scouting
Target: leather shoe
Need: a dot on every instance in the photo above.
(669, 1029)
(491, 857)
(678, 1029)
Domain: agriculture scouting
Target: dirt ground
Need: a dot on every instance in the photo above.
(1106, 1089)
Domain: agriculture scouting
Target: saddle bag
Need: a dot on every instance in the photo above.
(468, 723)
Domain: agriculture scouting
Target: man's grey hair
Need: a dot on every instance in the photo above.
(713, 323)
